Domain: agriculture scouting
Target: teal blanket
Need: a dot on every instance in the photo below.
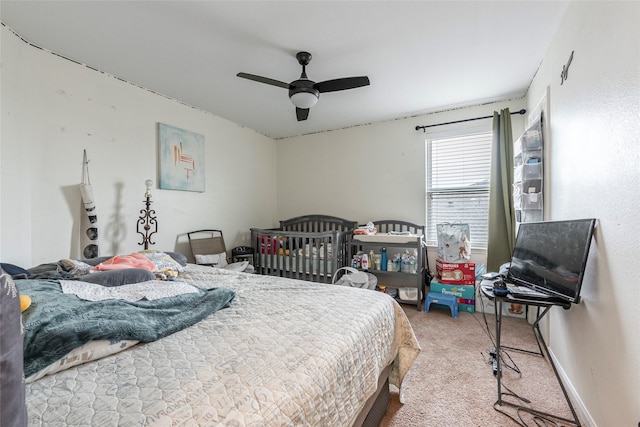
(56, 323)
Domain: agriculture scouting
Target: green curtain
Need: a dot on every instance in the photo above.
(502, 220)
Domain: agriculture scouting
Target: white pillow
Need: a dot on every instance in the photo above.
(215, 260)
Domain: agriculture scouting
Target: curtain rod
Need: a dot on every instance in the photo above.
(523, 111)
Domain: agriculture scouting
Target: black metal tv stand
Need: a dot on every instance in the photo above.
(543, 308)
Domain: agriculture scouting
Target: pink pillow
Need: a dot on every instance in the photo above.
(118, 262)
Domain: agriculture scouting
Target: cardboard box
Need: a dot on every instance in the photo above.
(465, 294)
(456, 273)
(470, 308)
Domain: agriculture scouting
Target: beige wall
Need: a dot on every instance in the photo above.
(593, 171)
(371, 172)
(53, 108)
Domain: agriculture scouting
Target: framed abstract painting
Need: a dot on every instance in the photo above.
(181, 158)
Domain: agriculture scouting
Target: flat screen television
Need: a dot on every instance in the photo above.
(551, 256)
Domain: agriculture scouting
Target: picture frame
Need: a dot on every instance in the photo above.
(181, 159)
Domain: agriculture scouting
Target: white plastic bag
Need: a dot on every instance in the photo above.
(453, 242)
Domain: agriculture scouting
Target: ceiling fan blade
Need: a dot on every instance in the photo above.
(302, 113)
(342, 84)
(266, 80)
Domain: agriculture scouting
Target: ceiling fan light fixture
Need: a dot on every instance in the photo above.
(304, 93)
(304, 99)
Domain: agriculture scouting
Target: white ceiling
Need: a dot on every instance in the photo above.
(420, 56)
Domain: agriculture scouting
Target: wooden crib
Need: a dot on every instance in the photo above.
(310, 247)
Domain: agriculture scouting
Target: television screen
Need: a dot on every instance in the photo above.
(551, 256)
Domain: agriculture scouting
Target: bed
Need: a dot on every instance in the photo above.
(276, 352)
(310, 247)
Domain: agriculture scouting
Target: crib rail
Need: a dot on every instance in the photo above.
(318, 223)
(311, 256)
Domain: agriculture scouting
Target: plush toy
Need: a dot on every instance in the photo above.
(25, 302)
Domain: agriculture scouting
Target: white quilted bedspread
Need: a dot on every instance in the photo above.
(285, 353)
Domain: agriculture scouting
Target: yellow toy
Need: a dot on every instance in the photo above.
(25, 302)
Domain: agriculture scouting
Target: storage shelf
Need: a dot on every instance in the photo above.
(396, 279)
(413, 243)
(528, 173)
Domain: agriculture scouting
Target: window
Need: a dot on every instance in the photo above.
(458, 173)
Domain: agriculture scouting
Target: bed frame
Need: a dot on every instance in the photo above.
(310, 247)
(376, 406)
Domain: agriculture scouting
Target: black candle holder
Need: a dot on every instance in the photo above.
(147, 219)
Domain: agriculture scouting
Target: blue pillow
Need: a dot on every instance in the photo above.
(126, 276)
(178, 257)
(15, 271)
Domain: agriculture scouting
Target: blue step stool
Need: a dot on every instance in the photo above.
(444, 299)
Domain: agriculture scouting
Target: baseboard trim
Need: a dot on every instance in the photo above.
(578, 404)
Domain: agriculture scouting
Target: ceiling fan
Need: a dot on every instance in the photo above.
(304, 93)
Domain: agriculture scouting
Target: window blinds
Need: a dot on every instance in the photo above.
(458, 173)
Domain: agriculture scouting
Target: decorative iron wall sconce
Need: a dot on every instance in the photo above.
(147, 219)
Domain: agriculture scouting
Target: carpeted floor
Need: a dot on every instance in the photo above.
(452, 384)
